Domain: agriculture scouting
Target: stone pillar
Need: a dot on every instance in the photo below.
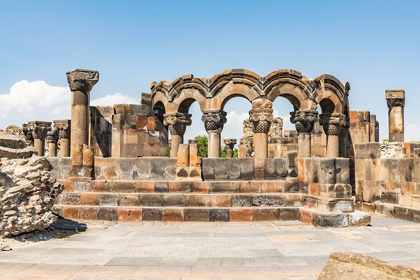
(213, 122)
(372, 128)
(177, 123)
(261, 116)
(28, 135)
(304, 121)
(332, 124)
(81, 82)
(39, 132)
(396, 100)
(52, 138)
(230, 143)
(344, 134)
(63, 127)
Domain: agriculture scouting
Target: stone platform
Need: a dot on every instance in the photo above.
(159, 250)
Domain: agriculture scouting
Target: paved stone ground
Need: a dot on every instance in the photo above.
(155, 250)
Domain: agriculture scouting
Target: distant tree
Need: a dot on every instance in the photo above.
(223, 153)
(235, 153)
(202, 145)
(385, 140)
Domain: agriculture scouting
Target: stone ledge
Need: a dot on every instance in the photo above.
(337, 220)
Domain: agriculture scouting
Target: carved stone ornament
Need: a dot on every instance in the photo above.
(214, 121)
(52, 136)
(276, 128)
(177, 122)
(39, 129)
(261, 119)
(230, 143)
(82, 79)
(332, 123)
(63, 127)
(395, 102)
(304, 120)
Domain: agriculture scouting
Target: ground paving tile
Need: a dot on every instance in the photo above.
(159, 250)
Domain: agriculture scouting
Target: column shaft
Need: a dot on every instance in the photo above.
(64, 147)
(176, 140)
(214, 144)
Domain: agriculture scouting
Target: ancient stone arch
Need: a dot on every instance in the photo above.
(212, 95)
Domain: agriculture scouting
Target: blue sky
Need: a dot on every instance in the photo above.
(374, 45)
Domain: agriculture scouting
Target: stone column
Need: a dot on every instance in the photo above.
(81, 82)
(344, 132)
(52, 138)
(261, 117)
(332, 124)
(230, 143)
(63, 127)
(372, 128)
(304, 121)
(39, 132)
(396, 100)
(213, 122)
(177, 123)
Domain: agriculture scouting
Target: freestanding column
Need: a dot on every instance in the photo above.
(230, 143)
(52, 138)
(81, 82)
(213, 122)
(304, 122)
(332, 124)
(396, 101)
(261, 116)
(28, 135)
(177, 124)
(63, 128)
(39, 132)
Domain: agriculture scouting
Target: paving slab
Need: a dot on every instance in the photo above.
(164, 250)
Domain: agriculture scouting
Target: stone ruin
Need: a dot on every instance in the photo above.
(117, 162)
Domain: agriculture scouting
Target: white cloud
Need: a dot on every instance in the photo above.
(117, 98)
(412, 133)
(39, 101)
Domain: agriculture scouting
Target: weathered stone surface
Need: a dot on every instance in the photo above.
(349, 266)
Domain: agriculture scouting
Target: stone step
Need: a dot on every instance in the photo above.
(132, 186)
(182, 199)
(178, 214)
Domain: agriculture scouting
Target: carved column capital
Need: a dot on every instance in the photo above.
(214, 120)
(261, 119)
(27, 133)
(177, 122)
(39, 129)
(230, 143)
(82, 79)
(332, 123)
(52, 136)
(63, 128)
(304, 120)
(395, 98)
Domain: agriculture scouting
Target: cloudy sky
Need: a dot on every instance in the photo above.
(374, 45)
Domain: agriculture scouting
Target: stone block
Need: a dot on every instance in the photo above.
(197, 215)
(289, 214)
(390, 198)
(265, 200)
(177, 200)
(152, 214)
(107, 199)
(293, 172)
(292, 159)
(135, 168)
(335, 190)
(250, 187)
(342, 171)
(408, 187)
(68, 185)
(221, 200)
(357, 219)
(330, 220)
(194, 173)
(88, 199)
(183, 158)
(393, 187)
(221, 168)
(247, 168)
(194, 160)
(326, 171)
(71, 212)
(127, 199)
(403, 213)
(292, 185)
(88, 213)
(182, 172)
(384, 209)
(359, 185)
(200, 187)
(161, 186)
(123, 186)
(241, 200)
(415, 201)
(224, 186)
(241, 215)
(103, 186)
(107, 168)
(173, 215)
(314, 189)
(306, 216)
(270, 169)
(310, 202)
(198, 200)
(69, 198)
(219, 215)
(129, 214)
(150, 199)
(266, 214)
(234, 169)
(144, 187)
(162, 169)
(180, 186)
(207, 168)
(83, 186)
(107, 213)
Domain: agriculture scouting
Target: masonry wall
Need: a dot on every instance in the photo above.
(385, 179)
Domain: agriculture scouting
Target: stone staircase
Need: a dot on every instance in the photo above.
(131, 200)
